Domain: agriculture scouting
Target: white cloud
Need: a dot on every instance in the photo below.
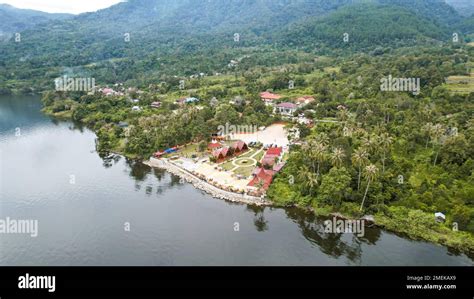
(65, 6)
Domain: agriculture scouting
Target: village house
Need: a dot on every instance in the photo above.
(188, 100)
(223, 153)
(303, 120)
(123, 124)
(286, 108)
(240, 147)
(262, 178)
(269, 98)
(304, 100)
(272, 156)
(155, 104)
(214, 145)
(191, 100)
(107, 91)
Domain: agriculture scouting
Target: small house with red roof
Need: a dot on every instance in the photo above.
(272, 156)
(108, 91)
(214, 145)
(304, 100)
(269, 98)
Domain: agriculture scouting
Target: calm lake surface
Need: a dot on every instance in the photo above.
(49, 171)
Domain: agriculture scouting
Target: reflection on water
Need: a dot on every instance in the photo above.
(259, 217)
(172, 223)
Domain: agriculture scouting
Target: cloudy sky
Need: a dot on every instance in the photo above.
(69, 6)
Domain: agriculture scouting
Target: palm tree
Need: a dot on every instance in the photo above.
(308, 178)
(368, 143)
(311, 182)
(437, 132)
(385, 141)
(360, 158)
(343, 114)
(427, 130)
(322, 138)
(370, 173)
(337, 157)
(319, 153)
(310, 153)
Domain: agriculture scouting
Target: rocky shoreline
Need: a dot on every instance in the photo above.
(205, 186)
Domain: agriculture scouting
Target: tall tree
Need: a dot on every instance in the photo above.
(337, 157)
(437, 132)
(370, 174)
(360, 158)
(384, 141)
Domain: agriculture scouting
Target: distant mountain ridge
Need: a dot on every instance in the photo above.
(464, 7)
(15, 19)
(156, 36)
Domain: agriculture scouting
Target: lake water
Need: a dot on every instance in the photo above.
(50, 172)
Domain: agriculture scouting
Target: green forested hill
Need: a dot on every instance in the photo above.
(367, 26)
(182, 37)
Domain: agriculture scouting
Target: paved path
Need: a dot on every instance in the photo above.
(205, 186)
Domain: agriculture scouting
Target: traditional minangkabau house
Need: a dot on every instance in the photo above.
(221, 154)
(240, 147)
(262, 178)
(272, 156)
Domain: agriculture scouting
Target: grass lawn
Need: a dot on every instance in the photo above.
(245, 171)
(248, 153)
(191, 149)
(227, 165)
(259, 156)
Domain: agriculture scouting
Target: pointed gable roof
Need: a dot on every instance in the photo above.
(274, 151)
(269, 96)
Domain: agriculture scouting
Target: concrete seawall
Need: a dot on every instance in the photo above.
(205, 186)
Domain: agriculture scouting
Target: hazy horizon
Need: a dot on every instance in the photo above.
(60, 6)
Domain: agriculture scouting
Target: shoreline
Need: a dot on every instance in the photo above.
(247, 199)
(206, 186)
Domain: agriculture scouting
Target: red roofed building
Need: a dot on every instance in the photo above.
(222, 154)
(214, 145)
(269, 97)
(262, 179)
(274, 151)
(240, 146)
(269, 160)
(272, 156)
(304, 100)
(278, 167)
